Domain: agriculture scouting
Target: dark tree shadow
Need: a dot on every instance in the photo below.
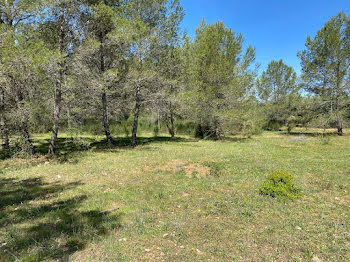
(67, 147)
(236, 139)
(34, 226)
(309, 134)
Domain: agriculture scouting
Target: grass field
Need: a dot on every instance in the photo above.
(182, 200)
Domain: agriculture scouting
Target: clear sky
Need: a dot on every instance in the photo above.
(276, 28)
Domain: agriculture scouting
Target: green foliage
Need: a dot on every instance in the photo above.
(273, 125)
(280, 184)
(219, 77)
(291, 123)
(325, 67)
(185, 127)
(278, 88)
(277, 82)
(250, 128)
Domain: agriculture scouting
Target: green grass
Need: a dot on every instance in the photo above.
(182, 200)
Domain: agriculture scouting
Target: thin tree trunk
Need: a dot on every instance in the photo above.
(137, 100)
(136, 116)
(57, 111)
(69, 120)
(337, 103)
(58, 91)
(339, 118)
(158, 119)
(171, 126)
(4, 136)
(105, 119)
(27, 146)
(104, 97)
(3, 126)
(340, 127)
(218, 130)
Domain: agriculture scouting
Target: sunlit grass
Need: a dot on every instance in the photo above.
(160, 201)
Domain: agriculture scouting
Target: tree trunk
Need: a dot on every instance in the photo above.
(3, 126)
(27, 146)
(58, 91)
(56, 113)
(104, 96)
(337, 102)
(105, 119)
(171, 127)
(340, 127)
(4, 137)
(218, 130)
(69, 120)
(136, 116)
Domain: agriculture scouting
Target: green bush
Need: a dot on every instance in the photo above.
(273, 125)
(280, 184)
(291, 123)
(185, 127)
(250, 128)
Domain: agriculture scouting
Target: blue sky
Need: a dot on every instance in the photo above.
(276, 28)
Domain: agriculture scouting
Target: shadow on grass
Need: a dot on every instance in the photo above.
(310, 134)
(236, 139)
(34, 226)
(66, 147)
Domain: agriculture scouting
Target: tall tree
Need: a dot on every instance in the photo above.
(14, 19)
(219, 76)
(277, 88)
(169, 65)
(326, 64)
(102, 56)
(147, 18)
(59, 29)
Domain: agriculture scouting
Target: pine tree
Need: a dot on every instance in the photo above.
(325, 66)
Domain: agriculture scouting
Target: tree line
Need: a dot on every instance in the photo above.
(65, 64)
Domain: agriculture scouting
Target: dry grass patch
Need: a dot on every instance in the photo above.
(197, 170)
(173, 165)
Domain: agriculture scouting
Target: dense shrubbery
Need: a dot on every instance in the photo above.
(280, 184)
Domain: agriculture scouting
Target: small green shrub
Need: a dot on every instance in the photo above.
(280, 184)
